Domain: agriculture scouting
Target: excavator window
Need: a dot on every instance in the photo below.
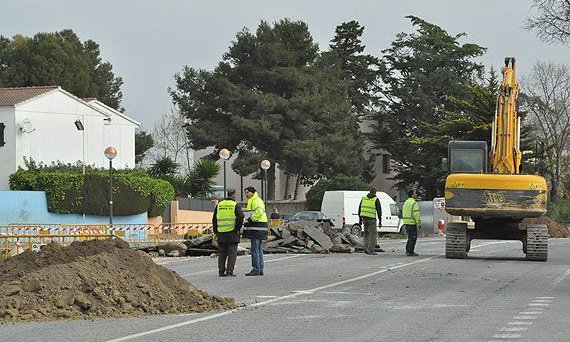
(467, 157)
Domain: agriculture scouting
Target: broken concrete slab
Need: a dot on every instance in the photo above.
(319, 237)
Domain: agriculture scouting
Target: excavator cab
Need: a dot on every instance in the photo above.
(467, 157)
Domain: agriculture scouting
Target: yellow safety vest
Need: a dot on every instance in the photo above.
(368, 207)
(411, 212)
(256, 204)
(226, 216)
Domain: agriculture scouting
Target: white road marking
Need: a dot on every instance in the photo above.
(511, 329)
(348, 293)
(538, 304)
(507, 336)
(544, 297)
(270, 301)
(520, 323)
(530, 313)
(524, 317)
(560, 279)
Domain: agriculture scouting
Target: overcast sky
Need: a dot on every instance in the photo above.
(148, 41)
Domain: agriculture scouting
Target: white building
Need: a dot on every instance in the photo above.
(48, 124)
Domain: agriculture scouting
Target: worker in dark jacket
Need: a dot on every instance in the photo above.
(368, 211)
(227, 221)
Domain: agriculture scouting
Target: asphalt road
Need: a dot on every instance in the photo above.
(495, 295)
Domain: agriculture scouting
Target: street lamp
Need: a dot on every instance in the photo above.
(265, 165)
(80, 127)
(110, 153)
(225, 155)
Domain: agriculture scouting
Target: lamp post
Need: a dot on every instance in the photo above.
(225, 155)
(80, 127)
(265, 165)
(110, 153)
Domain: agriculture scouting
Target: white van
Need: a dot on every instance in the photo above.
(342, 208)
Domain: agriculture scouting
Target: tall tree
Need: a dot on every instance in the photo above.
(547, 99)
(143, 143)
(427, 73)
(551, 21)
(267, 96)
(59, 58)
(360, 71)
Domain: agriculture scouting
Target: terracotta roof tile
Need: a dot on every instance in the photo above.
(13, 96)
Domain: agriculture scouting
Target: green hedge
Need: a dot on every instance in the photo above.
(134, 192)
(559, 210)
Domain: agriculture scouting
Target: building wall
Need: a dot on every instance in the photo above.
(31, 207)
(56, 138)
(8, 151)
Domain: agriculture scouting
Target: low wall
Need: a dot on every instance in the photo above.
(31, 207)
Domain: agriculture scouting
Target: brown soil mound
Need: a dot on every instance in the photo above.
(90, 279)
(555, 229)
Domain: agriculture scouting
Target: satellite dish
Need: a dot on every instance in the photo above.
(26, 126)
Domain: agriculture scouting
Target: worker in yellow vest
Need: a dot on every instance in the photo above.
(227, 221)
(369, 211)
(412, 221)
(255, 229)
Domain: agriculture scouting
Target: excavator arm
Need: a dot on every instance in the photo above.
(505, 138)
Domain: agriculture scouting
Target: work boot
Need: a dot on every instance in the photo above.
(222, 274)
(412, 254)
(230, 274)
(253, 273)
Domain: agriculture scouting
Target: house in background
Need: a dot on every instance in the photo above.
(48, 124)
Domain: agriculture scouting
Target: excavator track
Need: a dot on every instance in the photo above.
(537, 242)
(456, 241)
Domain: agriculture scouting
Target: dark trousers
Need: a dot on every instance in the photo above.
(227, 251)
(370, 234)
(412, 237)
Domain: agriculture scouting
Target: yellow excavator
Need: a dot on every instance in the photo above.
(490, 189)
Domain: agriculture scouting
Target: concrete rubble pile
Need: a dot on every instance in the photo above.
(295, 237)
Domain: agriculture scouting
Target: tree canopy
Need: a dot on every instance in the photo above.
(61, 59)
(276, 97)
(430, 96)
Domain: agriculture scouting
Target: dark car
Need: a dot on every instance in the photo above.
(286, 217)
(311, 215)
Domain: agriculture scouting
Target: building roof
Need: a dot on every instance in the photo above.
(13, 96)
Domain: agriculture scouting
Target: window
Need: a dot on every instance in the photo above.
(2, 142)
(467, 160)
(385, 163)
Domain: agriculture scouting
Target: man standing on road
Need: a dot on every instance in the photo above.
(255, 229)
(411, 219)
(227, 221)
(368, 210)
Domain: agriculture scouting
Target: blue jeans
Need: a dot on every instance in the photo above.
(256, 251)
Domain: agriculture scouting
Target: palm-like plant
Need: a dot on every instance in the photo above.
(201, 178)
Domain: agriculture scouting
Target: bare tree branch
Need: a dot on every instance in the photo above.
(547, 93)
(551, 20)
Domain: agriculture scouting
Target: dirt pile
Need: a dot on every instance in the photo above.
(555, 229)
(92, 279)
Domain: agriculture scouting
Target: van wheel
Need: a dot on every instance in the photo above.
(356, 230)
